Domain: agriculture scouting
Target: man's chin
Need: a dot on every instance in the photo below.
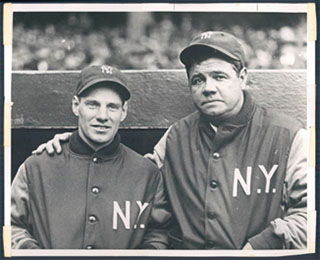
(215, 117)
(212, 109)
(212, 113)
(100, 140)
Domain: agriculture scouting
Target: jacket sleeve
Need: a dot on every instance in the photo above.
(291, 231)
(159, 150)
(21, 234)
(156, 236)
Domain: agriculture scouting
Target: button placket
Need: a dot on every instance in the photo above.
(92, 219)
(212, 192)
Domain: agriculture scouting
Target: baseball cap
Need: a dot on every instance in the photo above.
(221, 42)
(92, 75)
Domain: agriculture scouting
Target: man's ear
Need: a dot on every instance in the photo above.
(75, 105)
(124, 111)
(243, 75)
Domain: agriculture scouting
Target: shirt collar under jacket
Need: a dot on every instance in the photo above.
(241, 118)
(77, 145)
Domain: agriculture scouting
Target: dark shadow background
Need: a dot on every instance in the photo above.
(24, 141)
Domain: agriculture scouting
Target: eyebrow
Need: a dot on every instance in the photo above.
(91, 101)
(219, 72)
(114, 104)
(196, 74)
(210, 72)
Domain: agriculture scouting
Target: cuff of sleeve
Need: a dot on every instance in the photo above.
(29, 245)
(266, 240)
(154, 246)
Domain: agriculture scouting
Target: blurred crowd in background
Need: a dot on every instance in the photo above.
(71, 41)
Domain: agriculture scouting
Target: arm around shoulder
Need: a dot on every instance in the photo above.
(159, 150)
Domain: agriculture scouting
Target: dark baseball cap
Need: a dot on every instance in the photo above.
(220, 42)
(92, 75)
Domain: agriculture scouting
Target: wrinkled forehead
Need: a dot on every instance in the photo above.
(104, 91)
(210, 65)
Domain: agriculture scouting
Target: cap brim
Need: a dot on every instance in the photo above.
(191, 51)
(125, 94)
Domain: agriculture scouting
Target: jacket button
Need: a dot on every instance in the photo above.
(216, 155)
(92, 219)
(95, 190)
(211, 215)
(213, 184)
(89, 247)
(95, 159)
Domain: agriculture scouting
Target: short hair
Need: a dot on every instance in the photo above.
(205, 54)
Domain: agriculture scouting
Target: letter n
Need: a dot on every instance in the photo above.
(124, 217)
(244, 184)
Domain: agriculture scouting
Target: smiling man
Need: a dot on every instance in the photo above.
(98, 193)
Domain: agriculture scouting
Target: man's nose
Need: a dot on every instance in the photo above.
(102, 114)
(210, 87)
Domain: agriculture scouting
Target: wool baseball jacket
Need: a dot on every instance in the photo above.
(236, 182)
(107, 199)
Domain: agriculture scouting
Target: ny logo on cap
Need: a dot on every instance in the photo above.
(206, 35)
(106, 69)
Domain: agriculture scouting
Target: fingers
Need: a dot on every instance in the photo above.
(58, 138)
(40, 149)
(56, 144)
(49, 147)
(46, 146)
(149, 156)
(53, 146)
(64, 136)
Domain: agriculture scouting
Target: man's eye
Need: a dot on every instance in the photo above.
(92, 105)
(196, 81)
(220, 77)
(113, 107)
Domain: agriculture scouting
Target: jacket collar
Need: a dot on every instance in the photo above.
(240, 119)
(77, 145)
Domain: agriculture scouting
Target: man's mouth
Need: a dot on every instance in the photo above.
(101, 127)
(211, 101)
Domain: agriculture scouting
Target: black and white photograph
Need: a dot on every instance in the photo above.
(160, 130)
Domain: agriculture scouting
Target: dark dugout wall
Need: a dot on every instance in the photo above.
(42, 104)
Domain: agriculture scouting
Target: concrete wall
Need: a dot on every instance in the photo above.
(43, 99)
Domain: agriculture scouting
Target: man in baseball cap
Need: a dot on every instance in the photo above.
(212, 43)
(234, 171)
(97, 74)
(98, 193)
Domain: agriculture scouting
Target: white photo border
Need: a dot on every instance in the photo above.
(168, 7)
